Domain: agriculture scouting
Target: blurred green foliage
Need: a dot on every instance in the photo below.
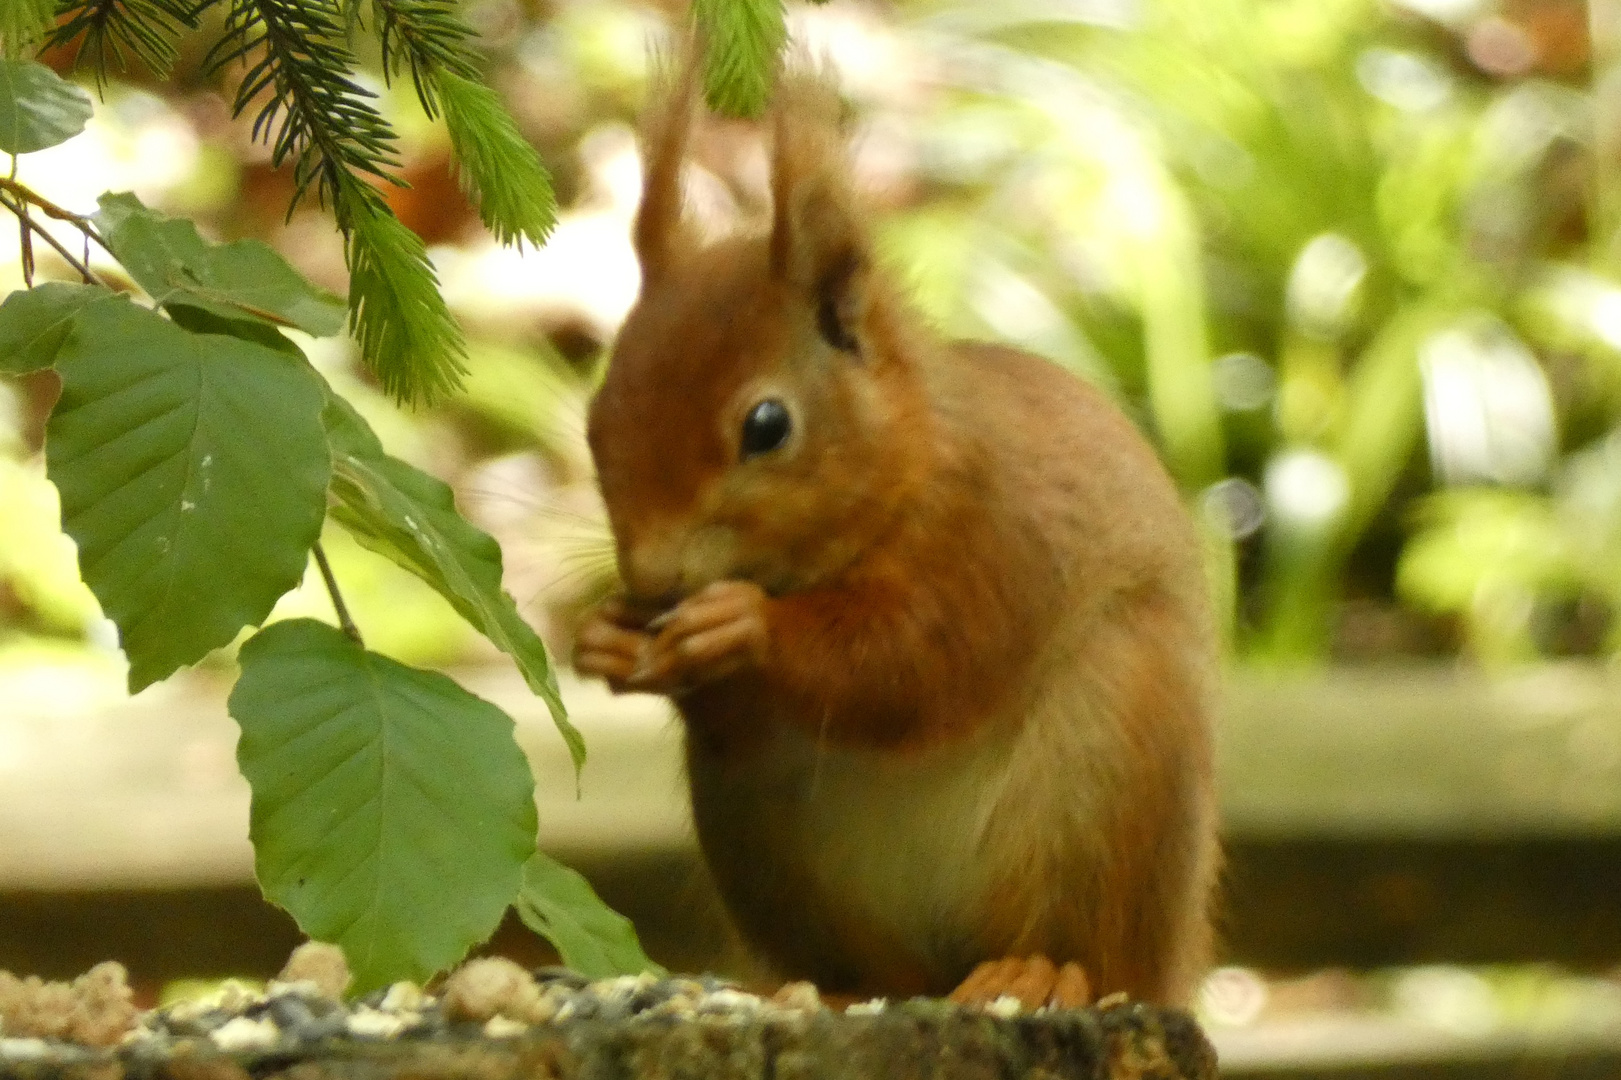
(1308, 240)
(1348, 262)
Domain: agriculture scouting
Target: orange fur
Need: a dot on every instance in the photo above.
(942, 655)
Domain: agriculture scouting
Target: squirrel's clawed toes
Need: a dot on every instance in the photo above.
(1034, 980)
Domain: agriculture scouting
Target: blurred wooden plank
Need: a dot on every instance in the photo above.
(1373, 817)
(1423, 752)
(1300, 903)
(99, 791)
(1385, 815)
(218, 930)
(1370, 1048)
(158, 934)
(1286, 906)
(144, 792)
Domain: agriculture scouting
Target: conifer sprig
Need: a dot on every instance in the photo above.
(741, 40)
(497, 167)
(428, 37)
(120, 29)
(396, 313)
(495, 164)
(295, 50)
(317, 115)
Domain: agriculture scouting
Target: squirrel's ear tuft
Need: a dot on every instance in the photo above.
(665, 127)
(818, 241)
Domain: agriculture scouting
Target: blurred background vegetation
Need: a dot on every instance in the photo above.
(1352, 264)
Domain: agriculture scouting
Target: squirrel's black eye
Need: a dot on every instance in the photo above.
(765, 428)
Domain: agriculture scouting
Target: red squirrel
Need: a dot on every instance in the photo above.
(932, 612)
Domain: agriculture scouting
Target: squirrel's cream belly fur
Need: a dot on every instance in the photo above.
(916, 846)
(889, 841)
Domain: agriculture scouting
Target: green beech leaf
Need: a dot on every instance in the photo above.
(593, 939)
(740, 41)
(38, 108)
(199, 321)
(410, 517)
(24, 22)
(35, 322)
(246, 279)
(392, 810)
(193, 473)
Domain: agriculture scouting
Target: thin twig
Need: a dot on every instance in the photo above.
(26, 195)
(25, 242)
(25, 238)
(345, 623)
(20, 210)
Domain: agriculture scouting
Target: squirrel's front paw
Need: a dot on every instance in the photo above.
(713, 633)
(608, 648)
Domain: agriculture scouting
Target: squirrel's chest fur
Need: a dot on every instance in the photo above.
(1053, 796)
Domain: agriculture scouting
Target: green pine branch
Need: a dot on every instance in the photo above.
(318, 116)
(312, 113)
(497, 167)
(427, 37)
(741, 39)
(117, 30)
(315, 113)
(406, 333)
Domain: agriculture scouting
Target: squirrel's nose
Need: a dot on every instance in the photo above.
(652, 572)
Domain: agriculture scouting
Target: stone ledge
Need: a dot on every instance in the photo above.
(909, 1040)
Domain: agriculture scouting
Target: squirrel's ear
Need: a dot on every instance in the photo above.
(819, 243)
(665, 127)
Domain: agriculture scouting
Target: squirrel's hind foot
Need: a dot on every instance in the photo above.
(1034, 980)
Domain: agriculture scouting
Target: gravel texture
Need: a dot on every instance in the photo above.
(492, 1020)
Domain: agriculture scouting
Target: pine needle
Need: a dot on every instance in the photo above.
(496, 166)
(313, 114)
(429, 38)
(317, 114)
